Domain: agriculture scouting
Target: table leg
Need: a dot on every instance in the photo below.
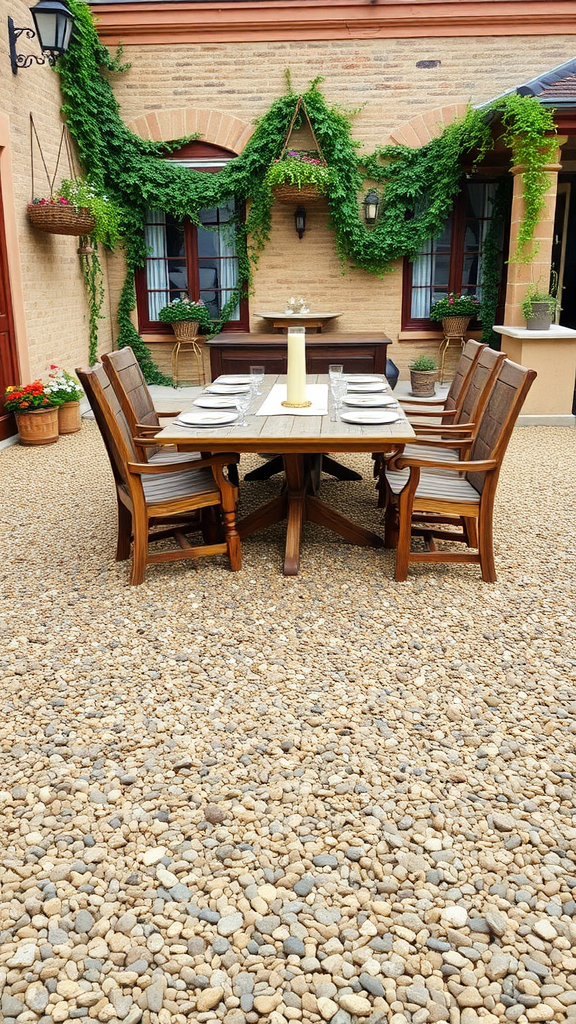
(271, 512)
(298, 480)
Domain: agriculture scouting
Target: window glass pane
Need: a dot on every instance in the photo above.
(207, 243)
(174, 237)
(430, 274)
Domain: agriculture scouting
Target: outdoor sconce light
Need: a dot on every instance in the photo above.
(371, 204)
(300, 220)
(53, 23)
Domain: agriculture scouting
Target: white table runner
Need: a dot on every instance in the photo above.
(315, 393)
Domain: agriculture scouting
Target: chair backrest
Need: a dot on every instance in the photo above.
(500, 414)
(462, 375)
(111, 420)
(132, 392)
(479, 386)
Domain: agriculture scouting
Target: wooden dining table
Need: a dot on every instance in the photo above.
(301, 441)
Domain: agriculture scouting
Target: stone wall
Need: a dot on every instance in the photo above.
(48, 293)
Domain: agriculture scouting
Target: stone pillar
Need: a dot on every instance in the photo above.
(520, 275)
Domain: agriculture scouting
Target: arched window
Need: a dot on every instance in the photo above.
(198, 261)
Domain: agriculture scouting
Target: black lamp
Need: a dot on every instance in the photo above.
(371, 204)
(300, 220)
(53, 23)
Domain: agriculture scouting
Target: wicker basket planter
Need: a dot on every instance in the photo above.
(39, 426)
(61, 220)
(185, 330)
(455, 326)
(287, 193)
(423, 383)
(69, 421)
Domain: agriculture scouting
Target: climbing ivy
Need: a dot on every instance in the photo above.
(418, 185)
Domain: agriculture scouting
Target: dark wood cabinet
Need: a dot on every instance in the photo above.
(363, 352)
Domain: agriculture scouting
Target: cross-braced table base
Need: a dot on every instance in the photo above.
(298, 504)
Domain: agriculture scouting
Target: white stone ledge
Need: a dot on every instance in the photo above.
(554, 333)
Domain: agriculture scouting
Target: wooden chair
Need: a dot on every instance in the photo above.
(419, 497)
(132, 392)
(456, 392)
(154, 494)
(444, 440)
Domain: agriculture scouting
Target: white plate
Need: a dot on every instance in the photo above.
(367, 417)
(215, 402)
(359, 378)
(227, 389)
(370, 401)
(366, 388)
(206, 419)
(231, 379)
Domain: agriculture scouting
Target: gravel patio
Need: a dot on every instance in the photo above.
(250, 798)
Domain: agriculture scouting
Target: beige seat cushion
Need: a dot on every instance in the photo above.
(446, 485)
(169, 486)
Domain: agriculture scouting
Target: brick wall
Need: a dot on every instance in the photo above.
(48, 292)
(379, 76)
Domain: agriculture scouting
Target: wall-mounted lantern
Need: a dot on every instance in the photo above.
(371, 204)
(300, 220)
(53, 23)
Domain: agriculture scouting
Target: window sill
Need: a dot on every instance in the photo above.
(420, 335)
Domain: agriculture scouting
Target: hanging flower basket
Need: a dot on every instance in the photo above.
(61, 219)
(288, 193)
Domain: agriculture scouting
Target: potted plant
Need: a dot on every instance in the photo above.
(78, 208)
(455, 311)
(298, 175)
(187, 316)
(423, 376)
(64, 389)
(538, 308)
(36, 412)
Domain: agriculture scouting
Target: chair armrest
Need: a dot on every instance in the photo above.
(440, 442)
(421, 401)
(447, 413)
(450, 429)
(465, 467)
(156, 468)
(170, 414)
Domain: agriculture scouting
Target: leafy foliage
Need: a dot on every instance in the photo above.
(424, 364)
(418, 185)
(187, 309)
(455, 305)
(293, 171)
(82, 193)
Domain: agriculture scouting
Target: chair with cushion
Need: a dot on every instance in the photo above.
(132, 392)
(154, 494)
(444, 440)
(421, 495)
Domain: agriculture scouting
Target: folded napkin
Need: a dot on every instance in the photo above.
(315, 393)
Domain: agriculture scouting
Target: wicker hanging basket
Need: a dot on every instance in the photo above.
(58, 219)
(287, 193)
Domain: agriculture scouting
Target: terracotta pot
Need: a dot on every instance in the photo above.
(185, 329)
(69, 421)
(423, 382)
(39, 426)
(455, 326)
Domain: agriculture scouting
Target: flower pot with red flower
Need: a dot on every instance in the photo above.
(36, 412)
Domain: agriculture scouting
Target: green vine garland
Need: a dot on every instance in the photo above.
(419, 185)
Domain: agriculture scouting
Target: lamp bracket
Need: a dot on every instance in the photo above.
(21, 60)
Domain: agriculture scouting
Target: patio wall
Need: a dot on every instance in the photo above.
(168, 86)
(48, 293)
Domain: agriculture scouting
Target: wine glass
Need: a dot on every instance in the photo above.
(257, 374)
(242, 401)
(335, 370)
(338, 387)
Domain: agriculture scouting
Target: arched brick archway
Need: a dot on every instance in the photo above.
(213, 126)
(424, 127)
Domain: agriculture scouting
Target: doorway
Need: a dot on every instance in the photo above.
(8, 360)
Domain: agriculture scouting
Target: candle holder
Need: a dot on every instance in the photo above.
(297, 405)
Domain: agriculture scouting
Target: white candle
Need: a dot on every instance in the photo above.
(296, 377)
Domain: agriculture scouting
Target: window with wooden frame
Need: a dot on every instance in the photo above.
(452, 262)
(185, 259)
